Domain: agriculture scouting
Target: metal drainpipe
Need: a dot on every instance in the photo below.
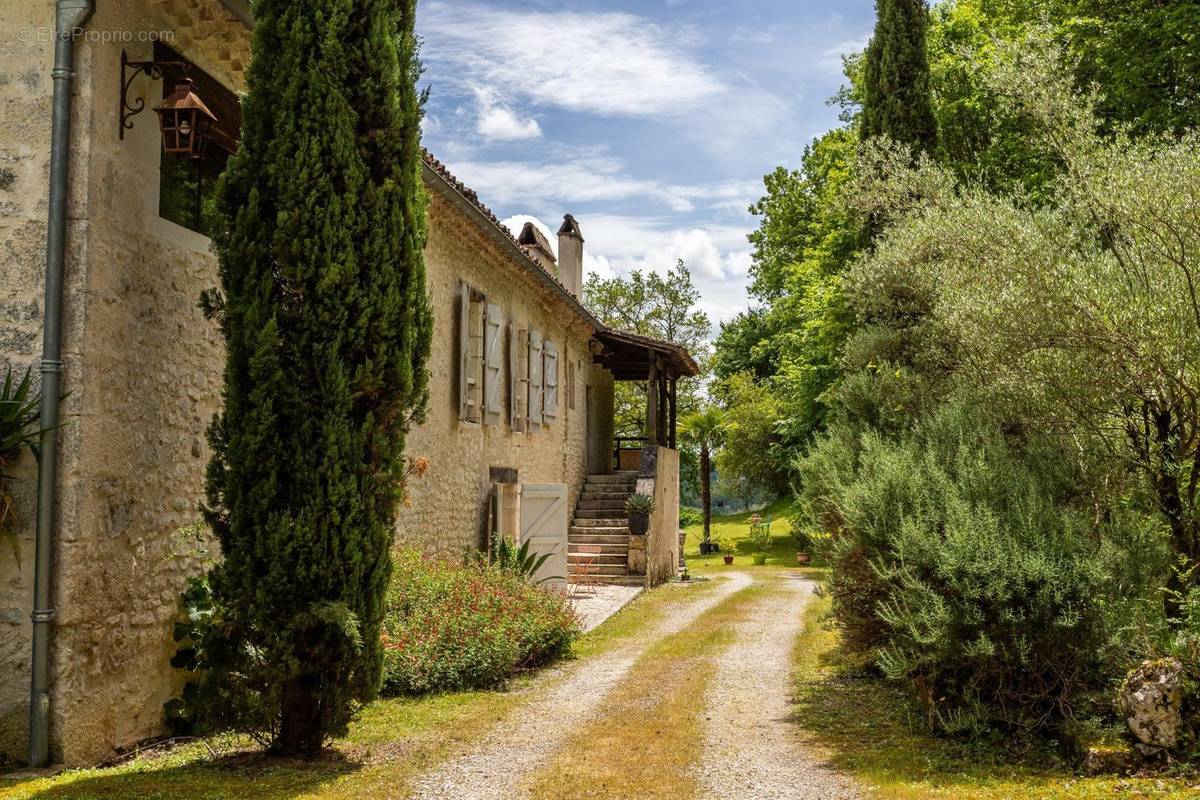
(70, 15)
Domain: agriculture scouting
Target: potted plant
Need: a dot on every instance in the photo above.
(760, 539)
(728, 557)
(803, 546)
(640, 507)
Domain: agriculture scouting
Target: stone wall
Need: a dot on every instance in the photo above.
(142, 375)
(659, 477)
(24, 169)
(447, 510)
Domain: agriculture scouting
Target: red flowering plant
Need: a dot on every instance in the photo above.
(451, 627)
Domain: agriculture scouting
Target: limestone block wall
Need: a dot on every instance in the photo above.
(142, 372)
(24, 168)
(662, 538)
(446, 514)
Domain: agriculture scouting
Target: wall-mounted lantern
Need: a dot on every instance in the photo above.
(184, 121)
(183, 118)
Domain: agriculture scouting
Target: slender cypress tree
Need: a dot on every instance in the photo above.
(896, 92)
(327, 326)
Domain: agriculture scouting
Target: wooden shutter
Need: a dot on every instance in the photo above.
(535, 379)
(493, 366)
(464, 350)
(514, 378)
(550, 379)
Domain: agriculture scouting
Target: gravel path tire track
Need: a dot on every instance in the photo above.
(752, 745)
(526, 739)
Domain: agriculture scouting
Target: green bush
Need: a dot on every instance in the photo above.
(963, 565)
(689, 517)
(449, 628)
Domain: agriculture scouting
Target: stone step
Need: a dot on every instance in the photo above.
(617, 580)
(621, 523)
(614, 504)
(602, 560)
(605, 548)
(614, 540)
(618, 478)
(598, 513)
(605, 570)
(587, 494)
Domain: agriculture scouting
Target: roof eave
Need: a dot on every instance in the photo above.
(503, 239)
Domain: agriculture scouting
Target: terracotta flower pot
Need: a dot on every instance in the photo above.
(728, 560)
(803, 558)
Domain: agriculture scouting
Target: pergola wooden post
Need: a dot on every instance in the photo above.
(630, 357)
(652, 404)
(673, 399)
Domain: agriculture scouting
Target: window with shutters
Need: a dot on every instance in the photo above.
(549, 381)
(536, 369)
(472, 327)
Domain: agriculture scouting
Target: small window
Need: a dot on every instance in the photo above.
(572, 366)
(187, 186)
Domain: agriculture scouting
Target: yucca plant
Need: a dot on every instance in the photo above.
(520, 561)
(18, 413)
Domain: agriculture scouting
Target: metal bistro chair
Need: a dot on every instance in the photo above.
(586, 569)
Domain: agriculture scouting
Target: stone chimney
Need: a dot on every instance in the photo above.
(537, 247)
(570, 256)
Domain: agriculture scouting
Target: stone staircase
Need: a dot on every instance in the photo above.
(601, 521)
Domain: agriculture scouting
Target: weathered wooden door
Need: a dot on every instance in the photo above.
(544, 526)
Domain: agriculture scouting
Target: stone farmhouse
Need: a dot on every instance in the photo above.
(102, 303)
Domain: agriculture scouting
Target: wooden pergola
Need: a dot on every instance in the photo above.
(657, 364)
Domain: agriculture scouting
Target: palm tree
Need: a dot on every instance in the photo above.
(704, 430)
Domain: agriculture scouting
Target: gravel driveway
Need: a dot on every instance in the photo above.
(530, 736)
(752, 749)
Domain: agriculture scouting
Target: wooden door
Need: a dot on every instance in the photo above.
(544, 524)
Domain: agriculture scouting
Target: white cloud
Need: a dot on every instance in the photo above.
(831, 59)
(715, 255)
(606, 63)
(497, 121)
(546, 185)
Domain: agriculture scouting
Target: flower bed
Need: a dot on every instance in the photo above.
(451, 628)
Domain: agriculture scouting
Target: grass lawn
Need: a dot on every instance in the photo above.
(391, 743)
(732, 531)
(872, 732)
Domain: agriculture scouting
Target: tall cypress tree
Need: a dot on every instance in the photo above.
(896, 91)
(327, 326)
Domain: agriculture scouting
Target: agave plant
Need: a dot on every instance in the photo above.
(520, 561)
(18, 413)
(640, 504)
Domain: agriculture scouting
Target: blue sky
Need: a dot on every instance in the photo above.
(652, 122)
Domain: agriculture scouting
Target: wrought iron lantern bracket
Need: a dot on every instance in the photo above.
(129, 71)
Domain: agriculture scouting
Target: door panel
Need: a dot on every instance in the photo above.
(544, 525)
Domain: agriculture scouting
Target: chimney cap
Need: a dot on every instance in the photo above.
(530, 236)
(570, 228)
